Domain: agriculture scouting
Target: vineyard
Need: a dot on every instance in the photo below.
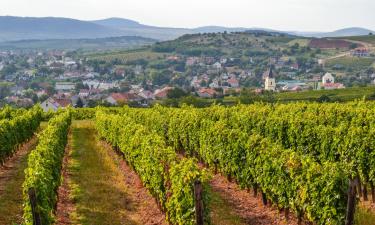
(297, 163)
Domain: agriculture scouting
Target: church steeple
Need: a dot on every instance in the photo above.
(270, 81)
(270, 73)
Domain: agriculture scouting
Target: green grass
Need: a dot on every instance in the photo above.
(11, 209)
(303, 42)
(221, 211)
(11, 199)
(366, 38)
(346, 94)
(351, 62)
(364, 217)
(127, 55)
(97, 186)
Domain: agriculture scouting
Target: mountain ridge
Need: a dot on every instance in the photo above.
(43, 28)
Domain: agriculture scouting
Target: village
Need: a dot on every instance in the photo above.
(58, 79)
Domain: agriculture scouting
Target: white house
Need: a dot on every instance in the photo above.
(54, 104)
(217, 65)
(328, 78)
(65, 86)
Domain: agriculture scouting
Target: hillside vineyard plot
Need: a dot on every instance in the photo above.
(42, 176)
(300, 156)
(16, 127)
(310, 160)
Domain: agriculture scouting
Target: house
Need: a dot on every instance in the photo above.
(270, 81)
(173, 58)
(294, 66)
(108, 85)
(148, 95)
(84, 93)
(328, 78)
(116, 99)
(122, 98)
(360, 52)
(292, 87)
(214, 84)
(206, 93)
(41, 93)
(138, 69)
(120, 72)
(328, 83)
(162, 93)
(192, 61)
(65, 86)
(233, 82)
(217, 65)
(54, 104)
(332, 86)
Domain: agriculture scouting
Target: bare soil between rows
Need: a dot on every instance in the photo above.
(148, 212)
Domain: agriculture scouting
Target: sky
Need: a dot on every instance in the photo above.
(287, 15)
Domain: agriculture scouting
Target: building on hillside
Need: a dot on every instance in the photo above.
(233, 82)
(328, 78)
(328, 83)
(206, 93)
(84, 93)
(64, 86)
(122, 98)
(270, 81)
(360, 52)
(54, 104)
(162, 93)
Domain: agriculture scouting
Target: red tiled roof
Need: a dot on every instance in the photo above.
(207, 91)
(63, 102)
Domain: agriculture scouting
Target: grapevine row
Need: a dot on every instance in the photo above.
(169, 180)
(15, 130)
(289, 179)
(43, 173)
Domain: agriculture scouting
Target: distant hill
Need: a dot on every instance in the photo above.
(21, 28)
(24, 28)
(82, 44)
(347, 32)
(119, 23)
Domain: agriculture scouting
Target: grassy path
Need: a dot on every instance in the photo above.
(97, 183)
(12, 177)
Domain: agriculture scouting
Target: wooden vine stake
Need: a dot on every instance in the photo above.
(33, 202)
(264, 198)
(198, 202)
(372, 192)
(350, 209)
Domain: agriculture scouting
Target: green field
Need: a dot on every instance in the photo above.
(352, 62)
(366, 38)
(125, 56)
(335, 95)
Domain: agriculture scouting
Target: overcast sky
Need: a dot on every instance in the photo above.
(302, 15)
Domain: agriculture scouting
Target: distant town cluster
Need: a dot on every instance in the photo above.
(195, 65)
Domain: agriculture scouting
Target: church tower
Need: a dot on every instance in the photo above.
(270, 82)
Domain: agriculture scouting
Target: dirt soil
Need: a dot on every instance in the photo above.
(65, 205)
(249, 208)
(148, 212)
(7, 170)
(11, 179)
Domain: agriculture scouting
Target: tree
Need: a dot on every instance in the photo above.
(353, 46)
(8, 70)
(160, 78)
(324, 98)
(79, 103)
(176, 93)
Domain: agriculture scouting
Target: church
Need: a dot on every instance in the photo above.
(270, 81)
